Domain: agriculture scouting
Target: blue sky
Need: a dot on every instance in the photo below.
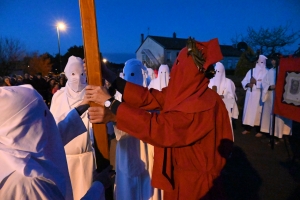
(121, 23)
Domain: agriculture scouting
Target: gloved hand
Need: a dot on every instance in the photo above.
(107, 74)
(105, 177)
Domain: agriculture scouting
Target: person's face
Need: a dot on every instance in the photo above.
(273, 62)
(39, 76)
(26, 76)
(52, 82)
(7, 81)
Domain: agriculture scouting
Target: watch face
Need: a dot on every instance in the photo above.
(107, 103)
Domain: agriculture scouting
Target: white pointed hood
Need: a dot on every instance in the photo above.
(260, 67)
(30, 143)
(75, 73)
(162, 79)
(219, 79)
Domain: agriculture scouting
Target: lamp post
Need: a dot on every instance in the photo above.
(59, 26)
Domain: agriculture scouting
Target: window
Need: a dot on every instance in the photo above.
(168, 56)
(143, 57)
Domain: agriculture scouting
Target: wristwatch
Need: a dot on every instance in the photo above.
(109, 102)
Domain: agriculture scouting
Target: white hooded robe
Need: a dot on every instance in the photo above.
(79, 151)
(133, 173)
(31, 149)
(162, 79)
(253, 102)
(226, 88)
(282, 124)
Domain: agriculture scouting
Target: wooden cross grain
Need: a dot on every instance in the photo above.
(94, 76)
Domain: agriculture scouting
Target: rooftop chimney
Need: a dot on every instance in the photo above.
(174, 35)
(142, 38)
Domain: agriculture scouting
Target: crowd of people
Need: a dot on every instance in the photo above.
(46, 85)
(174, 131)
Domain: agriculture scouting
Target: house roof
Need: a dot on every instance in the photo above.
(173, 43)
(228, 50)
(170, 42)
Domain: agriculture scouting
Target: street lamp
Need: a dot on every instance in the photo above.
(59, 26)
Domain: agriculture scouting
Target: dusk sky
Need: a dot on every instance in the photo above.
(121, 22)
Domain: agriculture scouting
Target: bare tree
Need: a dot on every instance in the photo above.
(12, 51)
(269, 40)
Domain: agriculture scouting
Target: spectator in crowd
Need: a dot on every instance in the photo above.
(1, 81)
(40, 84)
(27, 79)
(7, 81)
(13, 79)
(19, 80)
(55, 88)
(63, 79)
(50, 86)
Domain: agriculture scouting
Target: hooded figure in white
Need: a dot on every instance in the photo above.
(33, 163)
(145, 76)
(151, 75)
(253, 102)
(132, 176)
(162, 79)
(282, 124)
(226, 89)
(79, 151)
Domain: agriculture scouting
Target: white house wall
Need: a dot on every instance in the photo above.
(173, 56)
(156, 49)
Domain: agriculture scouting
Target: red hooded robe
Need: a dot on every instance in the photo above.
(191, 135)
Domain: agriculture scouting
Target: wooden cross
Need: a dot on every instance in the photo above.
(94, 76)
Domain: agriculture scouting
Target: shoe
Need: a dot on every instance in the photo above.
(275, 142)
(258, 135)
(245, 132)
(266, 140)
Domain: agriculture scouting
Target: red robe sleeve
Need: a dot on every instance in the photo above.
(140, 97)
(167, 129)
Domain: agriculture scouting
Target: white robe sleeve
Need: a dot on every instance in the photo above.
(265, 87)
(246, 80)
(71, 126)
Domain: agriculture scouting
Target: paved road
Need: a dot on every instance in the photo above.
(255, 171)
